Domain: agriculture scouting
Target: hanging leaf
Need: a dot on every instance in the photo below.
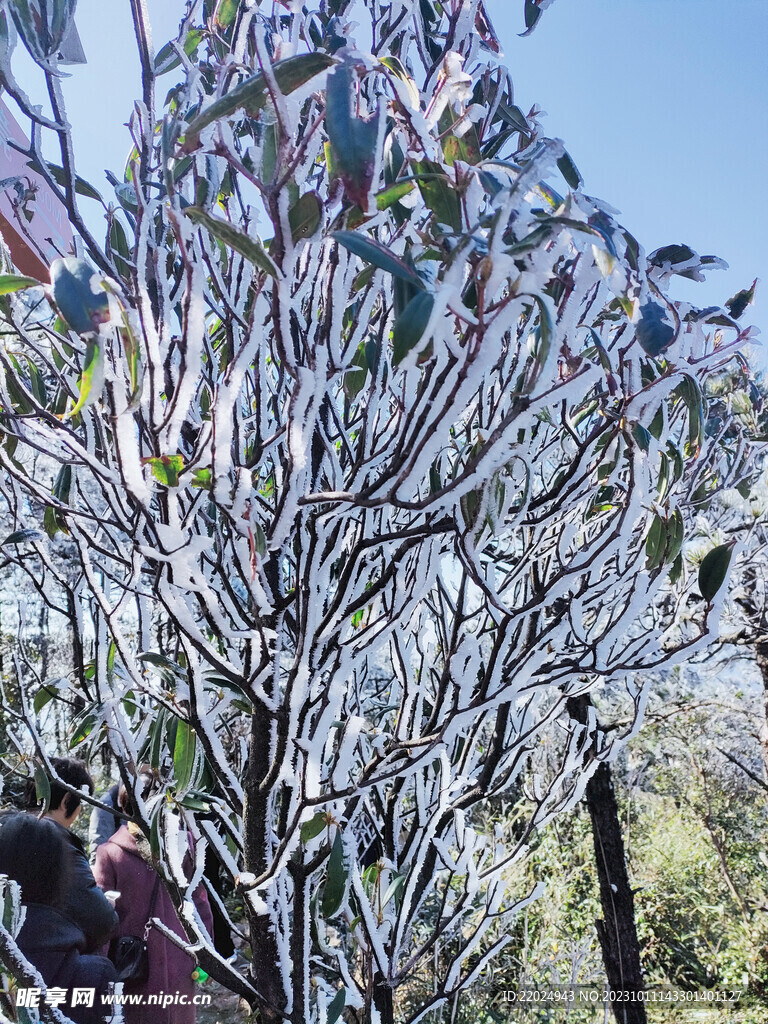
(91, 376)
(44, 695)
(234, 238)
(690, 392)
(654, 332)
(42, 787)
(84, 727)
(379, 255)
(410, 325)
(532, 13)
(354, 379)
(655, 543)
(393, 889)
(336, 879)
(79, 304)
(336, 1006)
(354, 140)
(714, 569)
(184, 755)
(569, 171)
(438, 193)
(16, 283)
(676, 532)
(252, 95)
(226, 12)
(43, 28)
(312, 828)
(305, 216)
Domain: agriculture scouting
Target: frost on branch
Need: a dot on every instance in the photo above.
(388, 447)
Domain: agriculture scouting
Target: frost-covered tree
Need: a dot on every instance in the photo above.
(365, 443)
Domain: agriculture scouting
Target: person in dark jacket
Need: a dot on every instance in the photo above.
(85, 903)
(35, 854)
(123, 863)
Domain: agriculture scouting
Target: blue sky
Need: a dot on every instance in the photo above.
(661, 103)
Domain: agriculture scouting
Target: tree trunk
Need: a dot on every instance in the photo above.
(761, 656)
(617, 930)
(265, 972)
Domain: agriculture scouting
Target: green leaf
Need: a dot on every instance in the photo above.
(84, 729)
(16, 283)
(312, 828)
(252, 95)
(234, 238)
(166, 667)
(90, 376)
(63, 484)
(168, 59)
(42, 28)
(389, 196)
(677, 570)
(79, 305)
(569, 171)
(532, 14)
(655, 543)
(226, 12)
(411, 324)
(397, 68)
(305, 216)
(22, 537)
(738, 303)
(156, 733)
(202, 478)
(642, 436)
(166, 469)
(676, 532)
(53, 522)
(336, 1006)
(44, 696)
(672, 254)
(690, 392)
(653, 330)
(379, 255)
(184, 751)
(438, 193)
(353, 139)
(714, 570)
(534, 240)
(393, 889)
(42, 787)
(514, 117)
(336, 880)
(82, 187)
(354, 379)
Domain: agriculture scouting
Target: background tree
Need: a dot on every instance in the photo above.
(357, 510)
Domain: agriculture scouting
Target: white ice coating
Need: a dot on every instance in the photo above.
(396, 583)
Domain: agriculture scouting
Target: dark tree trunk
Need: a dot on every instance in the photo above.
(761, 656)
(264, 965)
(617, 930)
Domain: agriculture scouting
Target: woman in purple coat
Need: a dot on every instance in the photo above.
(123, 864)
